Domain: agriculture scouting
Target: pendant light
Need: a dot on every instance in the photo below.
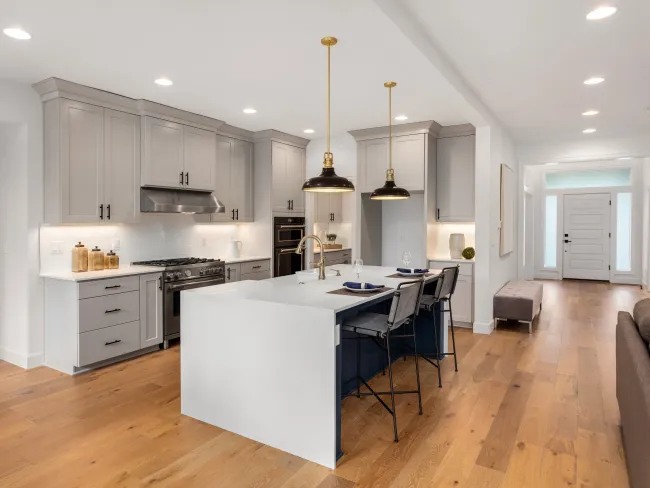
(390, 191)
(328, 181)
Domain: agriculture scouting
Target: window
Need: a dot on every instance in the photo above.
(550, 232)
(589, 179)
(624, 232)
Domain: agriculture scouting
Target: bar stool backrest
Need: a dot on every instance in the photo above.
(447, 284)
(406, 303)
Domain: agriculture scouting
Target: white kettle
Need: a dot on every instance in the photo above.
(233, 250)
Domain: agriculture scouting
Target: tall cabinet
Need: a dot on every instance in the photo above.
(287, 178)
(455, 174)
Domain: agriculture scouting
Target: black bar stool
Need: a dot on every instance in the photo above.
(381, 329)
(444, 291)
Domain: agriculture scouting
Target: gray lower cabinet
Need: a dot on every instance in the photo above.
(343, 256)
(90, 322)
(248, 270)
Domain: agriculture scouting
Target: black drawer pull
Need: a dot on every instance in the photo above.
(112, 342)
(111, 287)
(256, 267)
(113, 311)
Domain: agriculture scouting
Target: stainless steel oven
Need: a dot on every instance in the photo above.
(288, 231)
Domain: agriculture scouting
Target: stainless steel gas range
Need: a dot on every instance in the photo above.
(183, 274)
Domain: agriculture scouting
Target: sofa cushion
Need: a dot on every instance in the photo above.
(642, 318)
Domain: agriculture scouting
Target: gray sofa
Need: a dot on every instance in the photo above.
(633, 390)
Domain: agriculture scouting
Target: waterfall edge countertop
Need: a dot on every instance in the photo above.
(100, 275)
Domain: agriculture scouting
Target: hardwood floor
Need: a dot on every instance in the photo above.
(523, 411)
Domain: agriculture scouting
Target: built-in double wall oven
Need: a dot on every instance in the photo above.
(287, 232)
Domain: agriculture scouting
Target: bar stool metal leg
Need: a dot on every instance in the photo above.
(453, 337)
(358, 366)
(392, 389)
(417, 369)
(435, 339)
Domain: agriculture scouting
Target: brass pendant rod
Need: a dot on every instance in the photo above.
(390, 127)
(329, 48)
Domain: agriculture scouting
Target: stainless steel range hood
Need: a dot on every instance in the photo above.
(163, 200)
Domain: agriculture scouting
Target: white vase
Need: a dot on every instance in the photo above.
(456, 245)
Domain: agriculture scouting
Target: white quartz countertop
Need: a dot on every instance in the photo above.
(452, 260)
(246, 259)
(99, 275)
(313, 293)
(317, 250)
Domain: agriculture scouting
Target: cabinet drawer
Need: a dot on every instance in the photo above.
(109, 342)
(466, 269)
(100, 312)
(260, 275)
(255, 266)
(110, 286)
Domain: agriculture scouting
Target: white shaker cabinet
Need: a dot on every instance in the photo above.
(151, 310)
(199, 156)
(92, 164)
(462, 301)
(288, 176)
(328, 207)
(248, 270)
(373, 159)
(162, 149)
(409, 158)
(455, 179)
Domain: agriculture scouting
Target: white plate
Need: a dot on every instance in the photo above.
(363, 290)
(410, 274)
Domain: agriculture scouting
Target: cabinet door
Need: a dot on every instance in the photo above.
(322, 212)
(223, 188)
(280, 155)
(82, 155)
(242, 180)
(374, 163)
(199, 158)
(151, 310)
(408, 161)
(461, 300)
(121, 166)
(295, 179)
(162, 162)
(232, 273)
(455, 179)
(336, 206)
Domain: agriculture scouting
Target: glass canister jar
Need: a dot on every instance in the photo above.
(79, 258)
(111, 260)
(96, 259)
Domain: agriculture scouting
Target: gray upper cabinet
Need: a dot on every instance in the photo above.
(328, 207)
(288, 176)
(373, 159)
(455, 179)
(177, 155)
(92, 164)
(162, 163)
(234, 182)
(409, 158)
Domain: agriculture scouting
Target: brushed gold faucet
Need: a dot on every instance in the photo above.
(321, 263)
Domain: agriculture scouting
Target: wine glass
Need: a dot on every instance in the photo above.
(358, 267)
(406, 259)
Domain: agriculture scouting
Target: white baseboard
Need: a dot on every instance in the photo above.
(21, 360)
(625, 280)
(483, 327)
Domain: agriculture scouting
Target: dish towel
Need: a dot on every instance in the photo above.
(412, 271)
(361, 286)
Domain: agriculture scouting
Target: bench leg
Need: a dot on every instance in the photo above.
(530, 327)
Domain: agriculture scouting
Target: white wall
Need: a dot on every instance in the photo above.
(438, 237)
(645, 215)
(21, 321)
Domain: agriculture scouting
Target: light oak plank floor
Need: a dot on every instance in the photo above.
(523, 411)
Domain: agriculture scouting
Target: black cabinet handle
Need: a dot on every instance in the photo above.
(160, 283)
(255, 267)
(111, 287)
(228, 273)
(113, 311)
(108, 211)
(113, 342)
(233, 214)
(291, 204)
(181, 182)
(237, 212)
(187, 178)
(101, 211)
(438, 214)
(566, 241)
(288, 204)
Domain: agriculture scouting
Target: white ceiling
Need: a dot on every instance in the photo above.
(528, 59)
(226, 55)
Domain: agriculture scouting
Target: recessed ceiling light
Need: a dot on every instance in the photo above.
(601, 13)
(624, 159)
(589, 131)
(590, 112)
(594, 81)
(249, 111)
(401, 117)
(17, 33)
(164, 82)
(309, 131)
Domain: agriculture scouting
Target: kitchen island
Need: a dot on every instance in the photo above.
(264, 359)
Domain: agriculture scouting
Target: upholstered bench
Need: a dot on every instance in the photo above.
(518, 300)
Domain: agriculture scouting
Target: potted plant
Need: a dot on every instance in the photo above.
(331, 238)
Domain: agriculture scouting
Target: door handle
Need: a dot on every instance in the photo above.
(233, 214)
(566, 241)
(116, 341)
(181, 182)
(237, 212)
(160, 283)
(288, 204)
(187, 178)
(101, 211)
(228, 273)
(438, 214)
(111, 287)
(108, 211)
(114, 310)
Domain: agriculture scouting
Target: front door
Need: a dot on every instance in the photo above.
(587, 236)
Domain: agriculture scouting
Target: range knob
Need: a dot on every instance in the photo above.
(188, 272)
(168, 276)
(177, 275)
(202, 271)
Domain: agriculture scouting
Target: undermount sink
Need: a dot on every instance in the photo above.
(312, 274)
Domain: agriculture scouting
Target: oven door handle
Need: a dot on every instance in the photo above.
(285, 251)
(193, 283)
(291, 226)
